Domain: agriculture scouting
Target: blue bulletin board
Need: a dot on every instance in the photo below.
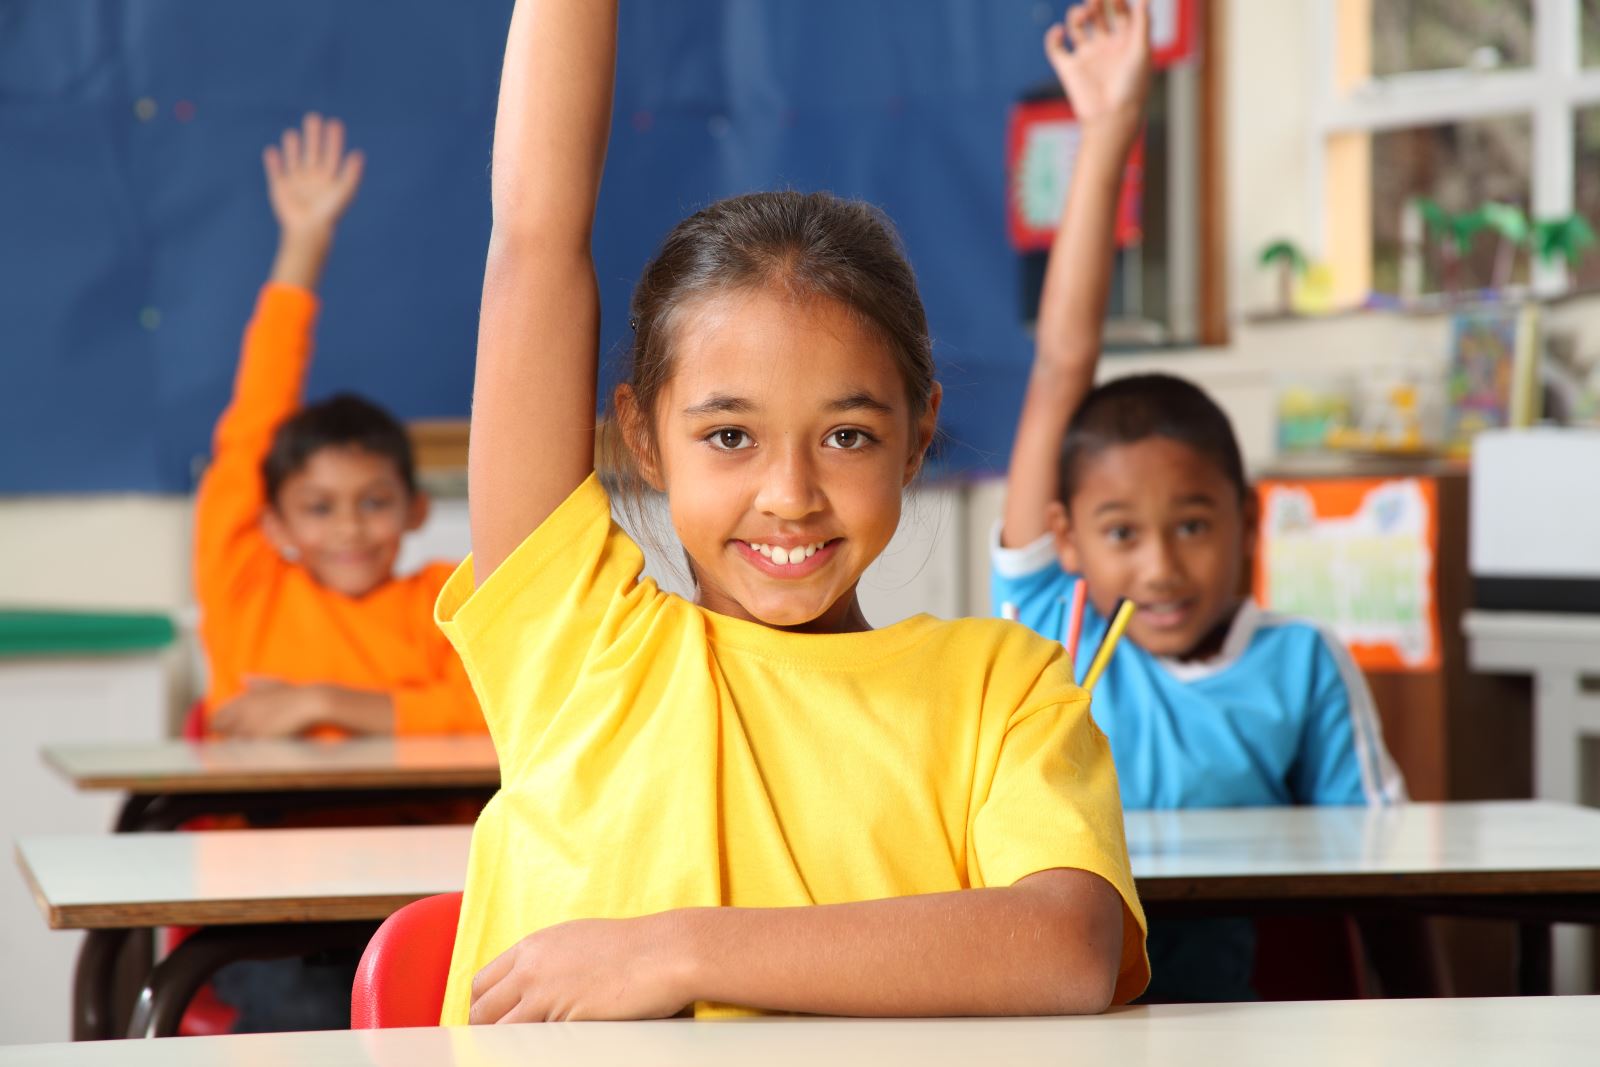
(134, 230)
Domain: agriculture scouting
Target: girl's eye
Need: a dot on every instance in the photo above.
(377, 503)
(1193, 528)
(728, 440)
(319, 509)
(1119, 535)
(849, 440)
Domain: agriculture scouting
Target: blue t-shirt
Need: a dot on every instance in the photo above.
(1281, 716)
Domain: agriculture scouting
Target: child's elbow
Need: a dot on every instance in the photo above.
(1086, 987)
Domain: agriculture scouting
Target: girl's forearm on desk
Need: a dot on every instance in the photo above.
(1049, 945)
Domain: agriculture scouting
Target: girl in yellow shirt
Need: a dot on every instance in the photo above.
(752, 800)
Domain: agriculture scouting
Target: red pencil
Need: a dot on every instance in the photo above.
(1080, 590)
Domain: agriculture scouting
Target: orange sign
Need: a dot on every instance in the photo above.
(1360, 556)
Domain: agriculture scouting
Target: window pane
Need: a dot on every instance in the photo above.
(1415, 35)
(1590, 32)
(1461, 167)
(1587, 193)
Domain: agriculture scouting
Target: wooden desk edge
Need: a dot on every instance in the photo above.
(289, 781)
(52, 917)
(235, 912)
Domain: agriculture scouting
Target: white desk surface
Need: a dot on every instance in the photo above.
(1515, 846)
(1541, 625)
(235, 876)
(1503, 1032)
(261, 766)
(240, 876)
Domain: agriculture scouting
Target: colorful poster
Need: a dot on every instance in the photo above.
(1358, 555)
(1043, 149)
(1172, 30)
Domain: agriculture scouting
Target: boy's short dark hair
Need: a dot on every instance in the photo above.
(342, 421)
(1128, 410)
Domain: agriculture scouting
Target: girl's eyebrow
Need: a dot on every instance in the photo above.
(720, 404)
(860, 400)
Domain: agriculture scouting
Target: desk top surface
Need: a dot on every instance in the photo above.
(273, 766)
(1525, 1032)
(1500, 847)
(239, 876)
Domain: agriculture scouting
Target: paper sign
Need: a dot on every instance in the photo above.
(1358, 555)
(1043, 150)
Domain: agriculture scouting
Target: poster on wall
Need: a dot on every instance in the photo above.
(1358, 555)
(1042, 151)
(1172, 31)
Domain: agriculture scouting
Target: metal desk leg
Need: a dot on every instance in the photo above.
(175, 980)
(92, 1010)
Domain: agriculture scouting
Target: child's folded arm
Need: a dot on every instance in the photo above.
(446, 706)
(267, 389)
(1049, 945)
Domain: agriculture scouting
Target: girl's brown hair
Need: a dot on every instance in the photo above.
(808, 245)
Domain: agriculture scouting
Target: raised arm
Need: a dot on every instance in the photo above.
(538, 335)
(1106, 75)
(311, 181)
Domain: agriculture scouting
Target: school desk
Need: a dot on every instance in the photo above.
(1501, 1032)
(171, 782)
(1560, 653)
(257, 893)
(1533, 862)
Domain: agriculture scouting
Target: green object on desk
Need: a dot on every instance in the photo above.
(82, 633)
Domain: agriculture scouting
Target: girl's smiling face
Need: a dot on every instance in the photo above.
(784, 440)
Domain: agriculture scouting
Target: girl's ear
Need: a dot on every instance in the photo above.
(636, 437)
(1059, 520)
(924, 430)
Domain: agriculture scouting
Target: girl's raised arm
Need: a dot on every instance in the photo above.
(533, 408)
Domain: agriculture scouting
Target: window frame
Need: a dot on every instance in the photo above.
(1349, 106)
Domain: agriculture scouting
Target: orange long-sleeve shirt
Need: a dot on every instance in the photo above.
(262, 615)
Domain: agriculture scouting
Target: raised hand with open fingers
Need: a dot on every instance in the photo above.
(311, 179)
(1101, 53)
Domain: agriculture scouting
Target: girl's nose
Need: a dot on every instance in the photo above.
(789, 488)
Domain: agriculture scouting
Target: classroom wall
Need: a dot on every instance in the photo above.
(132, 550)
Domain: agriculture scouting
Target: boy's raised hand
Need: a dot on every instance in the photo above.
(1101, 53)
(311, 179)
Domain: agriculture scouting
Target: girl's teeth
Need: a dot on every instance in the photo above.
(786, 556)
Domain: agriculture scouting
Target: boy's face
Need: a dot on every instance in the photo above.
(1159, 523)
(785, 428)
(342, 515)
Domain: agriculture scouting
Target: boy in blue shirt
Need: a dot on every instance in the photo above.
(1137, 488)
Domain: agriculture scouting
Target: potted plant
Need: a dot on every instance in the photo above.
(1291, 263)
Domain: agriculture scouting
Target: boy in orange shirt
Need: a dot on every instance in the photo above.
(299, 518)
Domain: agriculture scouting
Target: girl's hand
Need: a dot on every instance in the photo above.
(311, 179)
(1106, 72)
(587, 969)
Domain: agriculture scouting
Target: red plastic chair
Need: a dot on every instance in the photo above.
(400, 980)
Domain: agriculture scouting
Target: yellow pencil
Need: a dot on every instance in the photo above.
(1108, 643)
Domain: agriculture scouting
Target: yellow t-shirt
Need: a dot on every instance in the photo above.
(656, 755)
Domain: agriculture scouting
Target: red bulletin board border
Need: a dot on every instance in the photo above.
(1025, 118)
(1181, 47)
